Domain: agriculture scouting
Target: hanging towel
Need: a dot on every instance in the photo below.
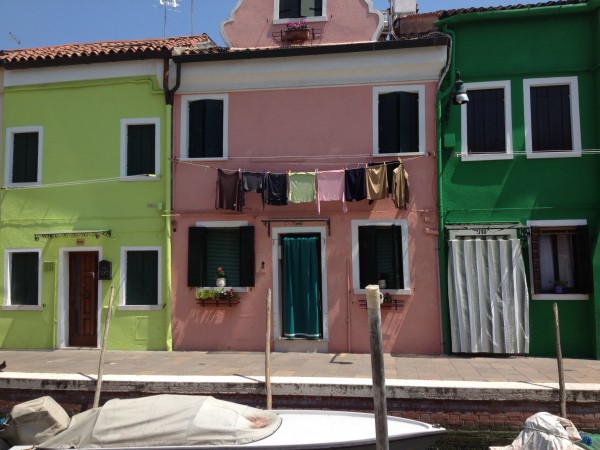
(302, 187)
(377, 185)
(253, 182)
(389, 166)
(229, 190)
(356, 186)
(330, 186)
(400, 187)
(276, 185)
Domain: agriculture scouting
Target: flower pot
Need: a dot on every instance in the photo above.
(221, 282)
(382, 284)
(559, 289)
(296, 35)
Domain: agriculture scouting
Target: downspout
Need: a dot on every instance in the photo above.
(167, 211)
(442, 98)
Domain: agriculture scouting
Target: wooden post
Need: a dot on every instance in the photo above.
(377, 367)
(562, 395)
(268, 353)
(103, 348)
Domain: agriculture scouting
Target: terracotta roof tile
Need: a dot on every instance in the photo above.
(453, 12)
(101, 51)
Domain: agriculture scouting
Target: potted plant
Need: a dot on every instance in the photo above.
(387, 297)
(229, 294)
(204, 294)
(382, 280)
(559, 286)
(296, 31)
(221, 277)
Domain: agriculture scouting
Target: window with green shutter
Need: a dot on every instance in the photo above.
(291, 9)
(25, 158)
(231, 248)
(205, 128)
(141, 151)
(24, 278)
(142, 277)
(398, 122)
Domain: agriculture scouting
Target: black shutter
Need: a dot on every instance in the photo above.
(551, 118)
(388, 123)
(408, 128)
(535, 260)
(197, 256)
(142, 277)
(196, 129)
(140, 149)
(583, 261)
(289, 9)
(486, 121)
(24, 278)
(25, 158)
(213, 129)
(247, 259)
(398, 265)
(367, 255)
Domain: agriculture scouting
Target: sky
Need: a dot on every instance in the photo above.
(39, 23)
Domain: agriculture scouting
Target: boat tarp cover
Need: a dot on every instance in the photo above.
(166, 420)
(544, 431)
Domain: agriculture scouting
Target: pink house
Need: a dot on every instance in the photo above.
(260, 135)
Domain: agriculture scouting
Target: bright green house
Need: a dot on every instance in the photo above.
(519, 190)
(85, 198)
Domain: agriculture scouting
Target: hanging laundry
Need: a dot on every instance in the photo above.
(330, 187)
(389, 166)
(356, 185)
(377, 186)
(400, 187)
(276, 189)
(229, 190)
(301, 187)
(253, 182)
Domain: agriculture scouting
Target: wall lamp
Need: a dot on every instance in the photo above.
(459, 92)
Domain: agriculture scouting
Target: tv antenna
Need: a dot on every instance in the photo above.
(170, 5)
(17, 40)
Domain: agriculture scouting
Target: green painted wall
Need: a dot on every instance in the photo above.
(514, 45)
(81, 146)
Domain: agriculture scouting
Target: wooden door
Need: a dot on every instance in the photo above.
(83, 299)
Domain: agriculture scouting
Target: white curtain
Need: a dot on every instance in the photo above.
(489, 299)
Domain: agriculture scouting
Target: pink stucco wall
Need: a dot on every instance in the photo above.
(252, 24)
(280, 130)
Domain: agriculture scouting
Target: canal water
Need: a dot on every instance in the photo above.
(471, 440)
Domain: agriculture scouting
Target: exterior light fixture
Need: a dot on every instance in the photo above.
(460, 93)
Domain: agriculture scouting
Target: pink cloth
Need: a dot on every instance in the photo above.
(330, 187)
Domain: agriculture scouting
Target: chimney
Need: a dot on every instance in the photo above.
(404, 7)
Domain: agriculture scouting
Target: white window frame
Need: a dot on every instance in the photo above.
(183, 143)
(7, 276)
(403, 223)
(554, 223)
(224, 224)
(123, 281)
(124, 129)
(575, 120)
(10, 138)
(508, 154)
(278, 21)
(418, 89)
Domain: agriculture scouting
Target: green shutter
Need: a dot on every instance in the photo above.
(398, 277)
(140, 149)
(24, 278)
(583, 261)
(310, 8)
(25, 158)
(196, 256)
(142, 278)
(223, 250)
(247, 264)
(367, 255)
(205, 129)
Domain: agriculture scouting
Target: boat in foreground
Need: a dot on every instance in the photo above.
(178, 422)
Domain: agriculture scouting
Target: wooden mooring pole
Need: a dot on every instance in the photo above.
(268, 353)
(562, 395)
(103, 349)
(374, 299)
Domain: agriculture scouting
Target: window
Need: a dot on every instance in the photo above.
(204, 127)
(399, 120)
(22, 279)
(141, 276)
(552, 117)
(560, 258)
(292, 9)
(140, 147)
(380, 249)
(486, 124)
(24, 155)
(221, 244)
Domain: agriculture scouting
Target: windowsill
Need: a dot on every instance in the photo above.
(485, 156)
(225, 288)
(140, 177)
(566, 296)
(385, 291)
(295, 19)
(18, 185)
(222, 158)
(383, 155)
(139, 307)
(556, 154)
(22, 308)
